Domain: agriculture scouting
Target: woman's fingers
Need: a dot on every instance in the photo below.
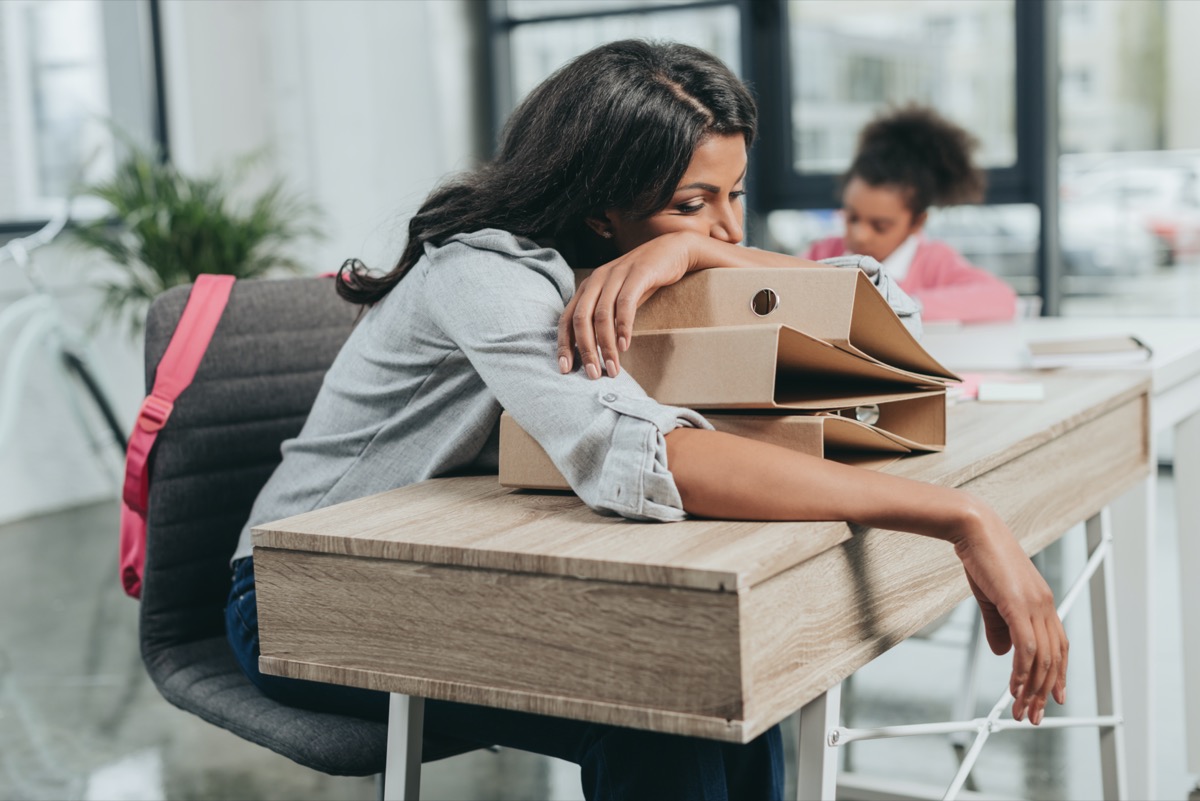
(1047, 668)
(581, 325)
(633, 291)
(566, 338)
(1060, 686)
(1025, 648)
(604, 316)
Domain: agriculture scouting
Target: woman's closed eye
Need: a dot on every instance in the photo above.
(697, 205)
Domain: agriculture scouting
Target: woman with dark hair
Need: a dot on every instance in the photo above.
(630, 160)
(908, 160)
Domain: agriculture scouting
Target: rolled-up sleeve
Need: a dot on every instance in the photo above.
(500, 305)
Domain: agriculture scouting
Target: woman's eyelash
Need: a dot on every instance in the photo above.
(691, 207)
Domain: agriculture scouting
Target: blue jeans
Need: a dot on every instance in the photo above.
(618, 764)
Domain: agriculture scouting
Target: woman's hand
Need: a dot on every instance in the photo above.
(1018, 612)
(599, 318)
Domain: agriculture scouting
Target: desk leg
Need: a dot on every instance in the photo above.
(1187, 511)
(402, 775)
(1132, 517)
(1108, 678)
(817, 760)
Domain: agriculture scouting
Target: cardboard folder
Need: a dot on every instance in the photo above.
(787, 355)
(760, 367)
(837, 305)
(908, 423)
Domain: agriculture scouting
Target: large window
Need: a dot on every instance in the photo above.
(1130, 209)
(76, 76)
(851, 58)
(532, 38)
(1113, 226)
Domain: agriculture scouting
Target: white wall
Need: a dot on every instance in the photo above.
(365, 104)
(362, 104)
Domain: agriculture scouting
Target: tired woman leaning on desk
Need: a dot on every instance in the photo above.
(630, 160)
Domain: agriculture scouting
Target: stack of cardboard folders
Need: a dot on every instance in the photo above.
(812, 359)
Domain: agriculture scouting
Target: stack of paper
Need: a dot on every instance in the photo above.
(1105, 350)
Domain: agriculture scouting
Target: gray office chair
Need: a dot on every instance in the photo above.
(253, 390)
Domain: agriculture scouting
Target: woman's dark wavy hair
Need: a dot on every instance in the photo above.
(922, 153)
(614, 128)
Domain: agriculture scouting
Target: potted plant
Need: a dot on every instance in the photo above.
(167, 227)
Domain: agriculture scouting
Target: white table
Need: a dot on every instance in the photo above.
(1175, 419)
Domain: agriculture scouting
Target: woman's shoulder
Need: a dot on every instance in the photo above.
(492, 254)
(494, 241)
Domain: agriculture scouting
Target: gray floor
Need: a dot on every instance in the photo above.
(79, 720)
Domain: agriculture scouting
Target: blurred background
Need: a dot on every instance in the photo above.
(1088, 120)
(1087, 111)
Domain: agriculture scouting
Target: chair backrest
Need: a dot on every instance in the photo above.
(253, 390)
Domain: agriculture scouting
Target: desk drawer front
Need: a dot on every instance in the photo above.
(471, 636)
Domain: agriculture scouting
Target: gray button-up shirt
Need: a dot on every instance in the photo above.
(417, 391)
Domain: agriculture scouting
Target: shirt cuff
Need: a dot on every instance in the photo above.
(635, 481)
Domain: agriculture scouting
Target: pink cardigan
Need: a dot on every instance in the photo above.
(946, 284)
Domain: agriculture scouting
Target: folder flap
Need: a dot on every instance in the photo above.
(811, 368)
(844, 434)
(876, 331)
(756, 366)
(916, 422)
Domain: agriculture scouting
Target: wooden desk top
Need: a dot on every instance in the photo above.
(474, 522)
(461, 590)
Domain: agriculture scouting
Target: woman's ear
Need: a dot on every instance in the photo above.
(600, 224)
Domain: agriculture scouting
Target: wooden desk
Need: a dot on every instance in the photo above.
(459, 589)
(1174, 372)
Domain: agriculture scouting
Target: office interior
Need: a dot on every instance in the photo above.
(1088, 118)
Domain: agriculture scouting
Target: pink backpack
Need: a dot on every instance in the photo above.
(175, 372)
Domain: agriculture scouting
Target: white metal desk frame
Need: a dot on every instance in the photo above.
(1175, 419)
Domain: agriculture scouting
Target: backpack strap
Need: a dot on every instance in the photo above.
(175, 373)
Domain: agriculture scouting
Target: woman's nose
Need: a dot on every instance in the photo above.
(728, 227)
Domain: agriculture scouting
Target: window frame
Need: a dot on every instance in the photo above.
(774, 183)
(780, 186)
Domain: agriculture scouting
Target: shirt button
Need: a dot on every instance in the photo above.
(609, 397)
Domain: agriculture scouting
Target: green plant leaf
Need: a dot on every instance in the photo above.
(167, 228)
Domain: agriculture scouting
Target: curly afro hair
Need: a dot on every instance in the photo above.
(928, 157)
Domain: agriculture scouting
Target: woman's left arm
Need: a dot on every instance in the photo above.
(598, 320)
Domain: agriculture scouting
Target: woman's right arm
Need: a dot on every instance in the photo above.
(723, 476)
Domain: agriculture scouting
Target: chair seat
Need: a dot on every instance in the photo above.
(203, 678)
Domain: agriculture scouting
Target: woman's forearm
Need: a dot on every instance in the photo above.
(725, 476)
(710, 252)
